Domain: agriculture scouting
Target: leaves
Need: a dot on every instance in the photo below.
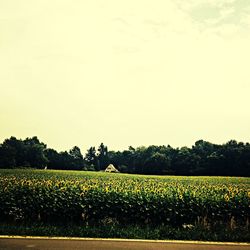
(66, 196)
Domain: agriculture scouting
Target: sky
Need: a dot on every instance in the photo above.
(134, 72)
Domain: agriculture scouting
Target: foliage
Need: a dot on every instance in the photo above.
(31, 153)
(203, 158)
(29, 195)
(162, 232)
(28, 153)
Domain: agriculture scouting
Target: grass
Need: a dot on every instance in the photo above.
(126, 232)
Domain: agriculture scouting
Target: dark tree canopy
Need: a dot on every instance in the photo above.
(203, 158)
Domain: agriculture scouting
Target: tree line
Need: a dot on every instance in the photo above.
(203, 158)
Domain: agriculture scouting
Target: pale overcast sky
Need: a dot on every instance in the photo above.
(125, 72)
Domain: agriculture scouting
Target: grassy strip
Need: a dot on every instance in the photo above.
(128, 232)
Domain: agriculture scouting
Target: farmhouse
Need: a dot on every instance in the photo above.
(111, 169)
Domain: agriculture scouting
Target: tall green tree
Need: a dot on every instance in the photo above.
(102, 156)
(77, 157)
(35, 152)
(91, 158)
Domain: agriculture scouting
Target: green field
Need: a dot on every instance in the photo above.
(112, 200)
